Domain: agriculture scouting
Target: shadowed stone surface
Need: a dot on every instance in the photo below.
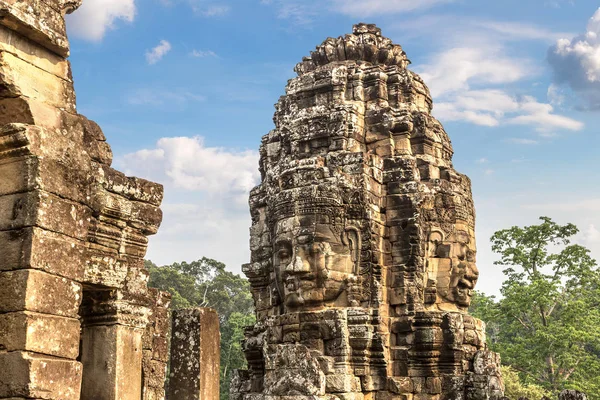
(195, 352)
(76, 317)
(362, 241)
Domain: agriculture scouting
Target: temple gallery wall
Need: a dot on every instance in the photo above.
(363, 247)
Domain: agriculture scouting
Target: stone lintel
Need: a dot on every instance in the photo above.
(42, 21)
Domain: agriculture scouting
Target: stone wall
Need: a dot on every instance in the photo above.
(74, 302)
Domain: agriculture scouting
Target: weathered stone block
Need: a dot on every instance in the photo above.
(21, 47)
(39, 21)
(41, 249)
(40, 333)
(24, 79)
(400, 385)
(31, 375)
(37, 291)
(194, 355)
(46, 211)
(342, 383)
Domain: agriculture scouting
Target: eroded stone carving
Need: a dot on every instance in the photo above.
(362, 241)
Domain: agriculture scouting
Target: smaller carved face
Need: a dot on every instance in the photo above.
(452, 263)
(464, 276)
(313, 259)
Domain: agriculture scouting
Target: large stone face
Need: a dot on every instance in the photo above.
(362, 240)
(76, 316)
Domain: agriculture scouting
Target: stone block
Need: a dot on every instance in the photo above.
(433, 385)
(400, 385)
(160, 348)
(40, 333)
(35, 376)
(37, 248)
(37, 291)
(24, 79)
(194, 355)
(342, 383)
(46, 211)
(21, 47)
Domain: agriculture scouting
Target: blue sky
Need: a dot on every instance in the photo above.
(184, 90)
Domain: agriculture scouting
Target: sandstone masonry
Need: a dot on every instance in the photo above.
(76, 317)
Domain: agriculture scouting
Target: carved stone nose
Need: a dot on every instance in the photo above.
(297, 266)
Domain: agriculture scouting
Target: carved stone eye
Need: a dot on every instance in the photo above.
(284, 253)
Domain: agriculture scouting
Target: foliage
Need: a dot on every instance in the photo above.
(206, 283)
(547, 324)
(514, 389)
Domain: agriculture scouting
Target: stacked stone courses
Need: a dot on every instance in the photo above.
(362, 241)
(76, 317)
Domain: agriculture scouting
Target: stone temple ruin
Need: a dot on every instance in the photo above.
(77, 319)
(362, 240)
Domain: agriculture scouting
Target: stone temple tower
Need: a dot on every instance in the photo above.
(362, 240)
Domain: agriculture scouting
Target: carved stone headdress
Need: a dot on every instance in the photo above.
(326, 199)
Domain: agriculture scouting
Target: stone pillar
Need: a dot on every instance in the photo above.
(155, 347)
(195, 351)
(112, 360)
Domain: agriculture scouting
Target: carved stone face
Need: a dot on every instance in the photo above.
(464, 276)
(452, 265)
(313, 261)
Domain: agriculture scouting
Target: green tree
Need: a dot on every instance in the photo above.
(515, 389)
(546, 326)
(206, 283)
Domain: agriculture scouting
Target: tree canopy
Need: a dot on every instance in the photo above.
(546, 325)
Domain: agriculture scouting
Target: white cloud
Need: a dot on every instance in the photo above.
(468, 84)
(302, 12)
(154, 97)
(157, 53)
(454, 30)
(558, 3)
(541, 117)
(188, 164)
(367, 8)
(591, 235)
(458, 68)
(518, 31)
(583, 205)
(576, 62)
(482, 160)
(212, 11)
(522, 141)
(555, 95)
(493, 107)
(204, 8)
(205, 209)
(95, 17)
(203, 53)
(299, 12)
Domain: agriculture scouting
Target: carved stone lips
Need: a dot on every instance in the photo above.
(467, 282)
